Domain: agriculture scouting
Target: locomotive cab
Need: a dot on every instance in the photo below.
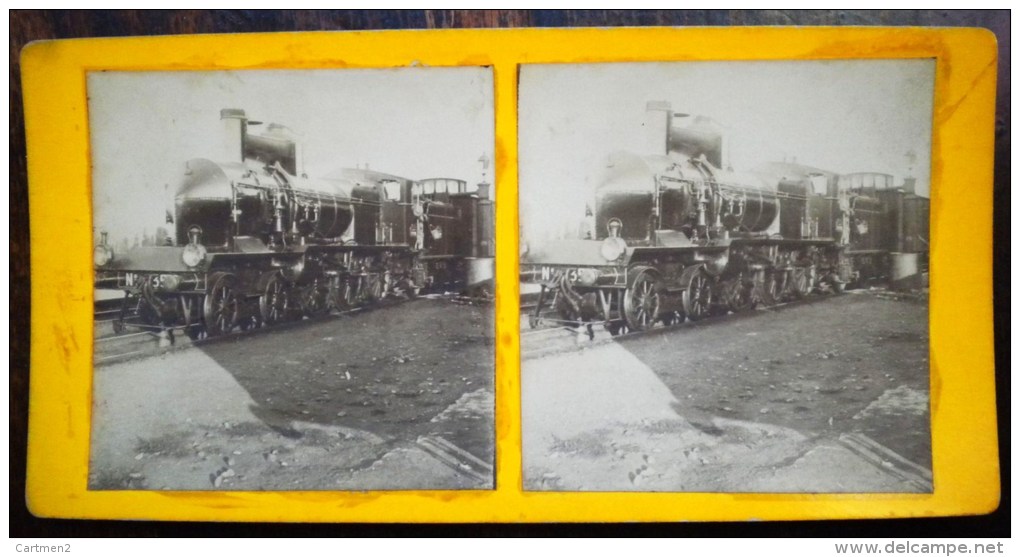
(380, 204)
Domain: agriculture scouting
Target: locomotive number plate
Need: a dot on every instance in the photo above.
(547, 273)
(157, 281)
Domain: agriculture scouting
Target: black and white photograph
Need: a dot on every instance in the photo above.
(724, 276)
(293, 279)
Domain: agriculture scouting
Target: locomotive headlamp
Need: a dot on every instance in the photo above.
(194, 253)
(103, 253)
(613, 246)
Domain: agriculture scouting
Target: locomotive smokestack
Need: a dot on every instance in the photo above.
(657, 123)
(234, 124)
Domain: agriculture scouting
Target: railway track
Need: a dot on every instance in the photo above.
(109, 348)
(112, 346)
(553, 336)
(456, 458)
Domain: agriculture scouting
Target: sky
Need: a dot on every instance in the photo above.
(842, 116)
(411, 122)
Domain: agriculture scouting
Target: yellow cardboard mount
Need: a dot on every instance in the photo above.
(965, 459)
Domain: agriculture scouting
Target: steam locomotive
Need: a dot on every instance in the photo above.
(258, 243)
(674, 236)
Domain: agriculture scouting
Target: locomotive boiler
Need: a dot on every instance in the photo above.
(258, 242)
(675, 236)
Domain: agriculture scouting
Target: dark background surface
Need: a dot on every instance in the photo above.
(26, 26)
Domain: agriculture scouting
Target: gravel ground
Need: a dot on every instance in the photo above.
(804, 398)
(330, 405)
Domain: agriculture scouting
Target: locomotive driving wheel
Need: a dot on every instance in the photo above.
(773, 287)
(698, 292)
(314, 300)
(372, 287)
(801, 281)
(274, 302)
(335, 294)
(641, 301)
(345, 295)
(222, 306)
(738, 294)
